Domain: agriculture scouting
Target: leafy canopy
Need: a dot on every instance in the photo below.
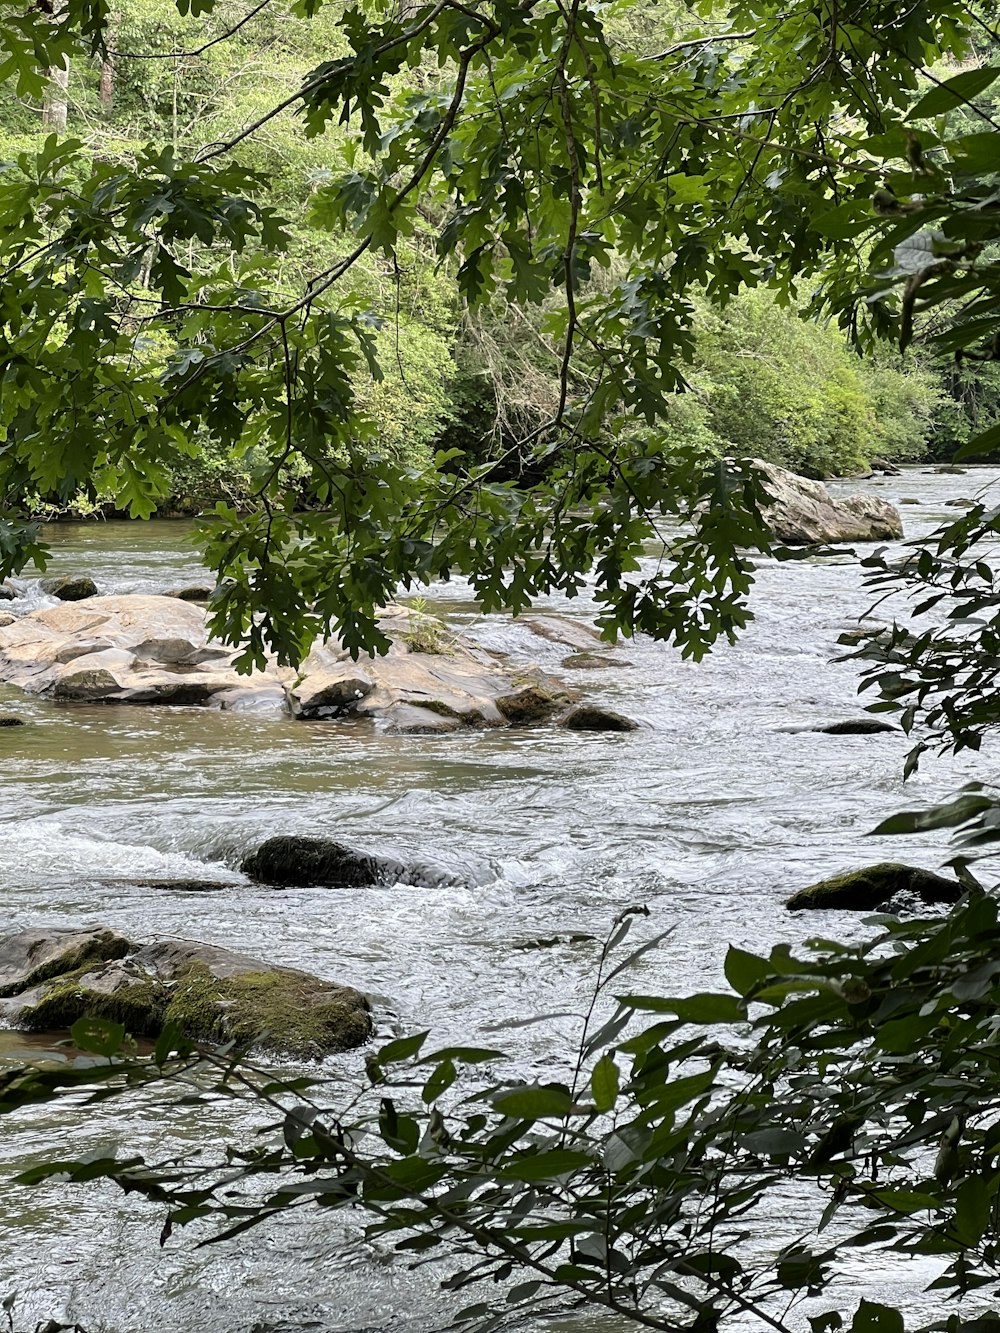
(536, 154)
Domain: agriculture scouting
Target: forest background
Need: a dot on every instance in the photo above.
(762, 380)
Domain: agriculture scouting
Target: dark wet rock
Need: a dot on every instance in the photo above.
(7, 592)
(848, 726)
(949, 469)
(802, 512)
(175, 885)
(195, 593)
(297, 862)
(885, 467)
(857, 726)
(857, 634)
(592, 662)
(552, 941)
(531, 704)
(32, 956)
(50, 979)
(8, 720)
(960, 503)
(869, 888)
(423, 720)
(589, 717)
(70, 588)
(909, 500)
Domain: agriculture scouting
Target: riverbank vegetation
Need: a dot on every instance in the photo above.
(758, 378)
(531, 277)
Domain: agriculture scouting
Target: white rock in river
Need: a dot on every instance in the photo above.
(804, 513)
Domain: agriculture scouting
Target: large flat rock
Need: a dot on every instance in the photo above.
(143, 649)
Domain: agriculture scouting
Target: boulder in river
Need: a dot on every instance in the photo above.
(532, 704)
(802, 512)
(591, 717)
(871, 887)
(7, 592)
(49, 979)
(298, 862)
(70, 587)
(9, 720)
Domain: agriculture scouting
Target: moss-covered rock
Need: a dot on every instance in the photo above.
(115, 992)
(869, 888)
(211, 994)
(296, 862)
(33, 956)
(283, 1010)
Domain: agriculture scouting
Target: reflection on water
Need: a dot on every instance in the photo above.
(712, 817)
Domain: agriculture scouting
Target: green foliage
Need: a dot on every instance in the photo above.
(444, 166)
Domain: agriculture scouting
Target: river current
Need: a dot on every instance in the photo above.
(710, 816)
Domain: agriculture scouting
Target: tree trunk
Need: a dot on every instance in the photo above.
(55, 104)
(107, 83)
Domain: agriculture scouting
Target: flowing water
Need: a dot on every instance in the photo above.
(710, 816)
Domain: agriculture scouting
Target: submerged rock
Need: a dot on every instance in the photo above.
(804, 513)
(297, 862)
(869, 888)
(589, 717)
(70, 588)
(592, 662)
(849, 726)
(52, 978)
(8, 720)
(563, 629)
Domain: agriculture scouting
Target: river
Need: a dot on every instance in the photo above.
(710, 816)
